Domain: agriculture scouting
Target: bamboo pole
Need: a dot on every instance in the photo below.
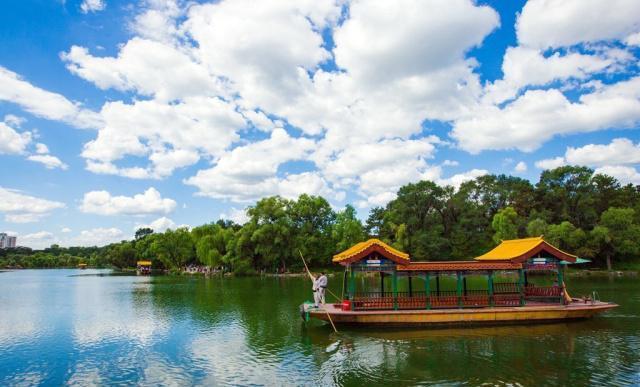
(312, 280)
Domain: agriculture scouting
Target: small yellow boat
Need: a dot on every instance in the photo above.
(143, 267)
(519, 299)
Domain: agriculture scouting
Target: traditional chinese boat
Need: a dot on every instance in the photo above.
(143, 267)
(519, 281)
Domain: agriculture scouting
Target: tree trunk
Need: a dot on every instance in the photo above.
(609, 262)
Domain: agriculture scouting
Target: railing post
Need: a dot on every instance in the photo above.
(459, 288)
(395, 289)
(352, 284)
(561, 282)
(521, 286)
(427, 289)
(490, 279)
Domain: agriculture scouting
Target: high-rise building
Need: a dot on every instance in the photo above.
(11, 242)
(7, 241)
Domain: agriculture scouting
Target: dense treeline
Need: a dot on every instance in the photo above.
(589, 214)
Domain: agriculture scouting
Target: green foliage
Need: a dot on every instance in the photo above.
(505, 224)
(537, 227)
(590, 215)
(174, 248)
(348, 229)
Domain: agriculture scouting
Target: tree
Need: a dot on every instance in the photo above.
(568, 193)
(143, 232)
(505, 225)
(174, 248)
(419, 208)
(618, 233)
(537, 227)
(347, 230)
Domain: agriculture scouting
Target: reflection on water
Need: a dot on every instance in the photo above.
(58, 327)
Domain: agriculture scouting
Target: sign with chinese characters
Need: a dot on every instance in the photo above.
(541, 263)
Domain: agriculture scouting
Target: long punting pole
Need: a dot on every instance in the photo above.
(312, 280)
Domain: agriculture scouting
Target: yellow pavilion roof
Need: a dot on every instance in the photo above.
(359, 250)
(523, 249)
(144, 263)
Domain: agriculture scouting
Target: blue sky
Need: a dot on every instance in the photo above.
(116, 114)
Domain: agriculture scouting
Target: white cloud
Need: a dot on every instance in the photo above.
(97, 237)
(459, 178)
(12, 142)
(42, 149)
(149, 202)
(44, 103)
(36, 240)
(50, 162)
(551, 163)
(624, 174)
(136, 68)
(65, 230)
(619, 152)
(159, 225)
(520, 167)
(92, 6)
(250, 171)
(538, 115)
(21, 208)
(523, 66)
(13, 120)
(557, 23)
(238, 216)
(171, 135)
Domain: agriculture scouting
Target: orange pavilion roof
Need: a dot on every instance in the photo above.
(364, 249)
(519, 250)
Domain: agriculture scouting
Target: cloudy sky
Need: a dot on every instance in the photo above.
(117, 114)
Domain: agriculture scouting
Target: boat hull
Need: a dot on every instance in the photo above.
(474, 316)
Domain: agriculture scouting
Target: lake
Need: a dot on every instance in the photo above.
(87, 327)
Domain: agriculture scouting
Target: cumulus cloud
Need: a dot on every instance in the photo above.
(22, 208)
(625, 174)
(49, 161)
(159, 225)
(620, 151)
(558, 23)
(43, 103)
(238, 216)
(250, 171)
(97, 237)
(11, 141)
(37, 240)
(92, 5)
(551, 163)
(149, 202)
(520, 167)
(538, 115)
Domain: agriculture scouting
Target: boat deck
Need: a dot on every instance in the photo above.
(532, 312)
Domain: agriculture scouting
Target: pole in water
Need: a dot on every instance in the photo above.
(313, 279)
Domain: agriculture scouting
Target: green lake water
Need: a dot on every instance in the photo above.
(72, 327)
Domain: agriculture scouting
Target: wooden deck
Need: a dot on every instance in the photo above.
(531, 313)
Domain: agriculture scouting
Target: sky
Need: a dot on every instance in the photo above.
(165, 113)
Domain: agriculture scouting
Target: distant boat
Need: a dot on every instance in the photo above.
(82, 266)
(506, 302)
(143, 267)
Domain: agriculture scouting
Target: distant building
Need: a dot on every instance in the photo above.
(7, 241)
(11, 241)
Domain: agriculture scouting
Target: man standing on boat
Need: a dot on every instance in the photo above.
(319, 286)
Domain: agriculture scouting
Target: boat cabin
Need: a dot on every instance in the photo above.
(515, 273)
(143, 267)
